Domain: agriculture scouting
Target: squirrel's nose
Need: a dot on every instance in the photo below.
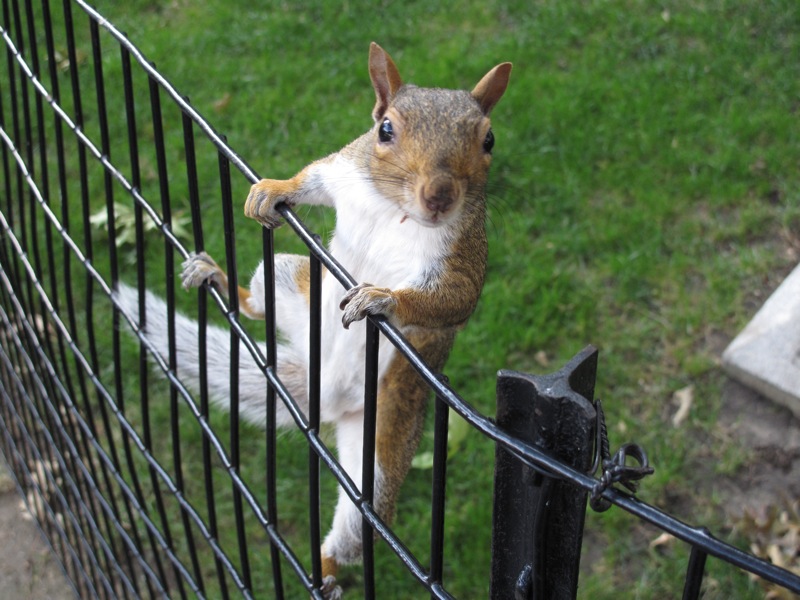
(439, 194)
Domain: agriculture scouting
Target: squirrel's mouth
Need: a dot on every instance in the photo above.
(428, 219)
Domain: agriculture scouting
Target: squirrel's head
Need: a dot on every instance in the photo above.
(432, 147)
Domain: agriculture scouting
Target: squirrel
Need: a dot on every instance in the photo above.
(409, 197)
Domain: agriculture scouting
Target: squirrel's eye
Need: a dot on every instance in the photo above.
(386, 133)
(488, 143)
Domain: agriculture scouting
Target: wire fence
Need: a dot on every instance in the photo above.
(129, 488)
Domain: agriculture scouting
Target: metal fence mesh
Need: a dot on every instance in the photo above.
(93, 198)
(127, 472)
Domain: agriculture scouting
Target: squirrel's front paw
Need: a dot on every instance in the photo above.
(262, 199)
(366, 299)
(199, 268)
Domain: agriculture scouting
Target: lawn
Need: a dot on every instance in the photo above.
(644, 198)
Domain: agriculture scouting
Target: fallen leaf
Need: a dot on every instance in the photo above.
(683, 398)
(774, 533)
(775, 555)
(541, 358)
(662, 540)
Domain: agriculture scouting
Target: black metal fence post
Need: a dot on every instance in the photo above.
(538, 520)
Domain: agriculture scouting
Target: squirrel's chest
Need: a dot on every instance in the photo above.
(384, 248)
(373, 238)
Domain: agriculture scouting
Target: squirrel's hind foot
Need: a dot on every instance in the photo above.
(199, 268)
(331, 591)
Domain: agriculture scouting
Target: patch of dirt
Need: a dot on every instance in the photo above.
(27, 568)
(770, 435)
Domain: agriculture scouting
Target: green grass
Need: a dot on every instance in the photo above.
(644, 198)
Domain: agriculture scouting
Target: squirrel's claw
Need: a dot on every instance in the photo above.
(199, 268)
(366, 299)
(331, 591)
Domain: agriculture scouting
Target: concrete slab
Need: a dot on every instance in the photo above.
(766, 354)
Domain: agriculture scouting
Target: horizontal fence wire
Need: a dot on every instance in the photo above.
(116, 501)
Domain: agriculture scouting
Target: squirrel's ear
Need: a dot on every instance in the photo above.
(385, 79)
(491, 88)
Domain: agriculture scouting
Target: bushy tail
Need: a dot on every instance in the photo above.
(252, 383)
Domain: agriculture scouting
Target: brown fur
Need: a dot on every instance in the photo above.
(303, 279)
(402, 398)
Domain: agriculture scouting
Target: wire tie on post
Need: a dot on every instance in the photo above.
(615, 469)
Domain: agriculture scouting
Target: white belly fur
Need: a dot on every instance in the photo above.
(377, 246)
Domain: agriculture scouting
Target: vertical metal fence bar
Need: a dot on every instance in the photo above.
(43, 180)
(12, 192)
(314, 362)
(169, 260)
(13, 120)
(133, 152)
(30, 142)
(5, 201)
(105, 141)
(694, 573)
(83, 176)
(69, 30)
(24, 142)
(66, 264)
(59, 145)
(8, 259)
(43, 177)
(368, 456)
(54, 291)
(439, 487)
(233, 294)
(202, 328)
(158, 139)
(88, 248)
(12, 123)
(26, 149)
(32, 205)
(88, 242)
(271, 468)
